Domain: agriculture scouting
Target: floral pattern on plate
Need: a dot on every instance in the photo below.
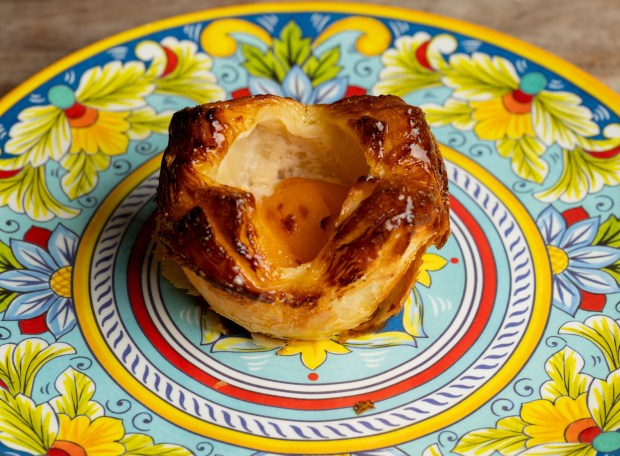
(524, 133)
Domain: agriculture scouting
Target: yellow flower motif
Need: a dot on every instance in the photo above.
(516, 111)
(70, 424)
(89, 120)
(83, 436)
(430, 262)
(414, 63)
(313, 353)
(178, 68)
(479, 77)
(82, 128)
(104, 131)
(497, 120)
(604, 332)
(577, 415)
(41, 134)
(554, 422)
(588, 169)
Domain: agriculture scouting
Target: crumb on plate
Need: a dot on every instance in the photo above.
(363, 406)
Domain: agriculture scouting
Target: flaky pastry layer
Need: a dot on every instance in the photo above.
(223, 157)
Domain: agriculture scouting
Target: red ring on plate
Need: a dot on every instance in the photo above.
(480, 321)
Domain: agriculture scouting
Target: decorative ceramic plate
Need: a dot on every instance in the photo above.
(508, 344)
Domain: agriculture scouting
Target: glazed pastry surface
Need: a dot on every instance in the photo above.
(302, 222)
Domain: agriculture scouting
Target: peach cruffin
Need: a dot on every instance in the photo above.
(302, 222)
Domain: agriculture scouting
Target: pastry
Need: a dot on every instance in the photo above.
(302, 222)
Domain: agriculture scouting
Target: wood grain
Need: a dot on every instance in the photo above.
(36, 33)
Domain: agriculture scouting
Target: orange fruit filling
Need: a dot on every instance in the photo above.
(298, 219)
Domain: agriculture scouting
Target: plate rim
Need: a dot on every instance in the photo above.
(567, 70)
(580, 78)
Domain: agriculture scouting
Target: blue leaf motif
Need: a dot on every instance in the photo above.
(566, 295)
(551, 225)
(297, 85)
(594, 257)
(30, 305)
(330, 91)
(24, 280)
(593, 280)
(258, 86)
(60, 318)
(31, 256)
(580, 234)
(62, 245)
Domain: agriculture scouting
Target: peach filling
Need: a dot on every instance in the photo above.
(299, 170)
(298, 219)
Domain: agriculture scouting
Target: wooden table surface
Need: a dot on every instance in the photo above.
(36, 33)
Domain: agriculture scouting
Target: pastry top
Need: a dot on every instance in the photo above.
(224, 158)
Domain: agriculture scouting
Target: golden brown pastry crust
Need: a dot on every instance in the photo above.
(363, 273)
